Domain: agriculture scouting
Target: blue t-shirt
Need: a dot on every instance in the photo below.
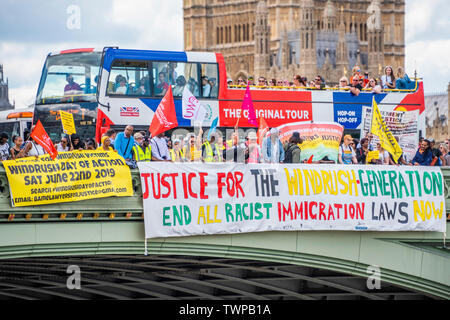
(124, 146)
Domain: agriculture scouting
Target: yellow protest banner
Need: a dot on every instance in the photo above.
(67, 122)
(379, 128)
(72, 176)
(372, 155)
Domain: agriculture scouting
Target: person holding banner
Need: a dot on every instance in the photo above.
(159, 149)
(272, 148)
(63, 145)
(32, 148)
(141, 149)
(346, 153)
(124, 143)
(253, 150)
(106, 144)
(17, 148)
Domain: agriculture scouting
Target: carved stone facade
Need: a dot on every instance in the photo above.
(282, 38)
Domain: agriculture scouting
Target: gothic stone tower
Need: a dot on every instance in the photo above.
(262, 38)
(4, 96)
(230, 27)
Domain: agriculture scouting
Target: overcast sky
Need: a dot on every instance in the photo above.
(29, 30)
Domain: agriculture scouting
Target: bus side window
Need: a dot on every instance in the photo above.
(130, 78)
(210, 83)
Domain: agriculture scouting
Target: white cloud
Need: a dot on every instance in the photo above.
(159, 24)
(430, 59)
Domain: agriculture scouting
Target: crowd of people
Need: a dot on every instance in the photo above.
(358, 82)
(138, 146)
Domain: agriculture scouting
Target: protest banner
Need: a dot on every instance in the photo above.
(320, 139)
(183, 199)
(402, 124)
(72, 176)
(67, 122)
(387, 140)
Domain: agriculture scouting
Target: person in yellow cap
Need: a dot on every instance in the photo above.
(106, 144)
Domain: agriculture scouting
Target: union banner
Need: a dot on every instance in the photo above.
(198, 199)
(72, 176)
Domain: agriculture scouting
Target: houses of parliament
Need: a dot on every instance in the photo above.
(282, 38)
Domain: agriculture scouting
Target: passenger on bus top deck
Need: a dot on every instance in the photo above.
(343, 83)
(206, 87)
(163, 86)
(214, 87)
(143, 85)
(121, 85)
(71, 86)
(355, 87)
(171, 73)
(319, 83)
(181, 83)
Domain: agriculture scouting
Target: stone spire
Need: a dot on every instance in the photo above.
(262, 40)
(329, 16)
(4, 95)
(375, 37)
(308, 39)
(342, 52)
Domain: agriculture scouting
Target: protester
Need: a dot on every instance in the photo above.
(362, 151)
(160, 151)
(209, 152)
(253, 152)
(32, 148)
(4, 147)
(124, 143)
(176, 153)
(383, 155)
(272, 148)
(423, 156)
(141, 149)
(346, 153)
(235, 152)
(436, 153)
(77, 144)
(111, 133)
(292, 150)
(193, 151)
(15, 150)
(63, 145)
(445, 157)
(91, 144)
(106, 144)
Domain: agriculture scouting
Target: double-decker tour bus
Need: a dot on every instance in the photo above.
(131, 84)
(68, 83)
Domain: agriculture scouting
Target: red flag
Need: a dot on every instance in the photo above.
(310, 159)
(262, 129)
(247, 104)
(165, 117)
(41, 137)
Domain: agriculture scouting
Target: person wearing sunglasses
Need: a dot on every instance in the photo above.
(356, 71)
(355, 87)
(343, 83)
(241, 81)
(63, 145)
(373, 86)
(319, 83)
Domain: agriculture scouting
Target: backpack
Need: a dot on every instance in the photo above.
(288, 153)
